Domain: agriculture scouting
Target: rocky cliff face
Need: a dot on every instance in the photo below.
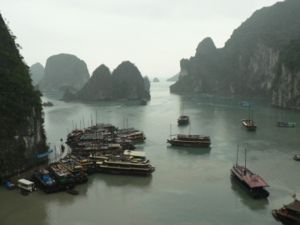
(99, 86)
(147, 85)
(21, 131)
(37, 72)
(126, 82)
(256, 60)
(64, 71)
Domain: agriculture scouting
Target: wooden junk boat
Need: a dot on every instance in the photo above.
(249, 123)
(253, 183)
(129, 163)
(288, 214)
(75, 168)
(63, 177)
(183, 120)
(190, 140)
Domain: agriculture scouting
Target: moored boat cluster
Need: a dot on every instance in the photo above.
(102, 148)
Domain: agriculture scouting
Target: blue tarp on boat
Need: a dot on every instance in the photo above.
(44, 154)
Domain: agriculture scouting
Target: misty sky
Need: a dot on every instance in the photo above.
(153, 34)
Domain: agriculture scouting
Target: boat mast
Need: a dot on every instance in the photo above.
(249, 112)
(170, 130)
(245, 159)
(237, 154)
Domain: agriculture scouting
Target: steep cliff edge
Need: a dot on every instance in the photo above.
(99, 86)
(21, 131)
(256, 60)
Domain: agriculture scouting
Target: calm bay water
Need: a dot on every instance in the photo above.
(189, 186)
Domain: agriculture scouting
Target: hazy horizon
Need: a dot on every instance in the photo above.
(154, 35)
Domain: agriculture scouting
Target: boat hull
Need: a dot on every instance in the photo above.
(182, 122)
(189, 144)
(249, 125)
(285, 219)
(127, 171)
(255, 193)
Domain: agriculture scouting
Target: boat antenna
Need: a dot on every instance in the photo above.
(237, 154)
(170, 130)
(91, 120)
(249, 112)
(83, 122)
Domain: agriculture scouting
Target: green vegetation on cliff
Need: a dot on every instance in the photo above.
(21, 130)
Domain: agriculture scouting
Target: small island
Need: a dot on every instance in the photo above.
(155, 80)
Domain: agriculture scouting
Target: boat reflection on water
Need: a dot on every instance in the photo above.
(123, 180)
(189, 151)
(245, 199)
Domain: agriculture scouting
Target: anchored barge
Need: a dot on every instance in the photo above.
(63, 177)
(75, 168)
(288, 214)
(254, 184)
(190, 141)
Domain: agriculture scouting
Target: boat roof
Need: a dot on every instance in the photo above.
(135, 153)
(26, 182)
(191, 136)
(294, 206)
(253, 180)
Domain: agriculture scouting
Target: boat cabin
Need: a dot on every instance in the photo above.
(26, 185)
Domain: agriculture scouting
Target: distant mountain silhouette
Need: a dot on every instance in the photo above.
(125, 82)
(64, 71)
(37, 72)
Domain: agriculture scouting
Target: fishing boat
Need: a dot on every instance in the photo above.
(183, 120)
(288, 214)
(9, 185)
(253, 183)
(286, 124)
(249, 124)
(130, 163)
(45, 181)
(190, 140)
(296, 157)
